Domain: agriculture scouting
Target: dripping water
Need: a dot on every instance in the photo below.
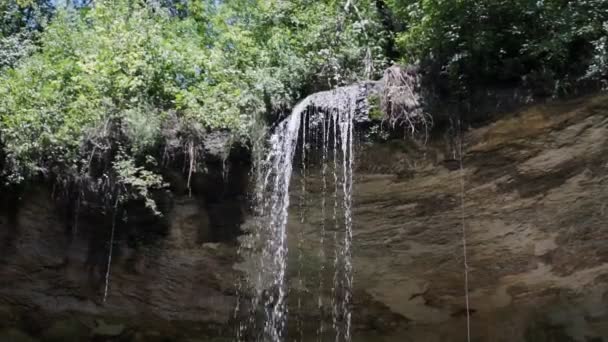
(347, 169)
(336, 279)
(266, 246)
(324, 148)
(107, 277)
(464, 233)
(77, 213)
(303, 205)
(279, 164)
(332, 113)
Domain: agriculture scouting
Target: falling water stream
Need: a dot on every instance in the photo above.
(329, 115)
(275, 185)
(110, 249)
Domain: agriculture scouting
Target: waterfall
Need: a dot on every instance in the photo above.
(331, 116)
(275, 202)
(324, 125)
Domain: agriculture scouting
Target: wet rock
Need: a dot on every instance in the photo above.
(533, 207)
(67, 330)
(104, 329)
(14, 335)
(167, 276)
(6, 316)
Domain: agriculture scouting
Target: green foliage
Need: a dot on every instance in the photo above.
(375, 113)
(137, 181)
(13, 48)
(111, 85)
(493, 41)
(599, 62)
(23, 15)
(20, 21)
(120, 72)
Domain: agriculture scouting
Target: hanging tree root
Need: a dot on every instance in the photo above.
(400, 99)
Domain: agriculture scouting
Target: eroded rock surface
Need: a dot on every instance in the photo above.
(534, 211)
(170, 276)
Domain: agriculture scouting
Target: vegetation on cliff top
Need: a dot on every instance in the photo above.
(117, 80)
(552, 47)
(96, 90)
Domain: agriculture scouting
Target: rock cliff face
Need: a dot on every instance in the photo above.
(168, 274)
(534, 194)
(535, 188)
